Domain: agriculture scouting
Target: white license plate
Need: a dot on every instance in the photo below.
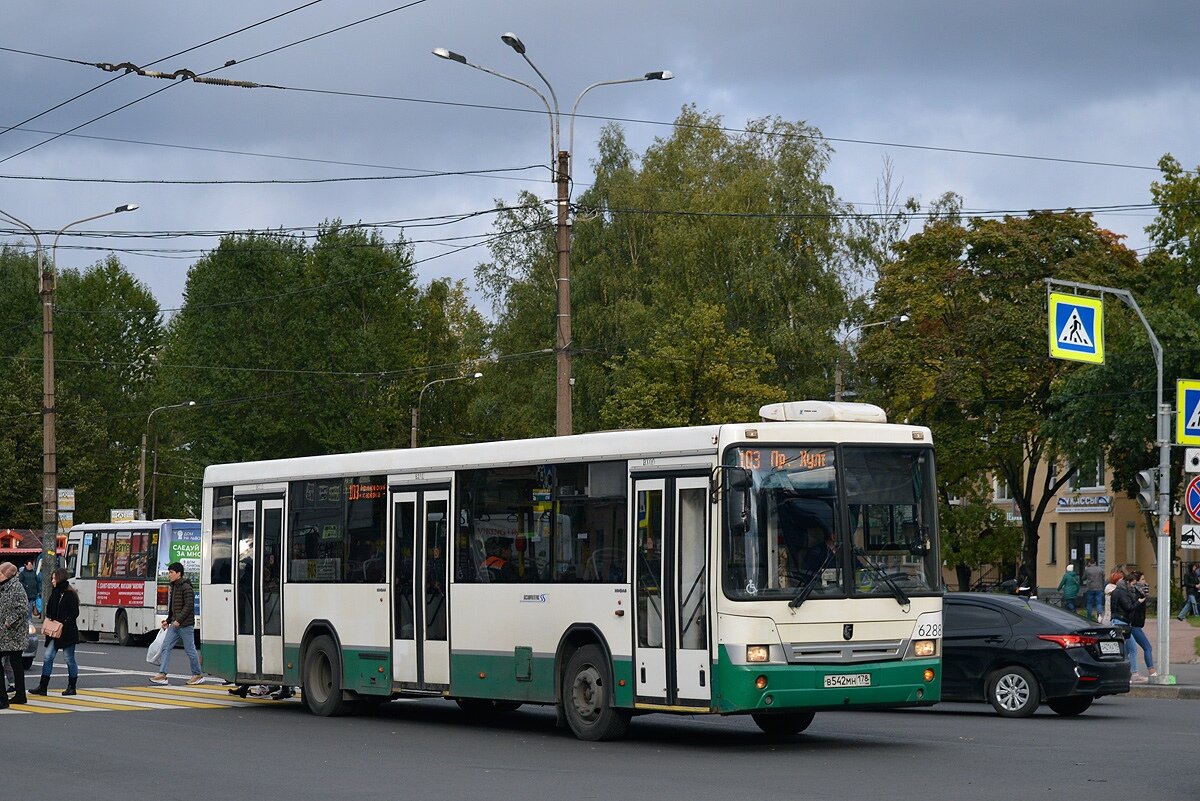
(848, 680)
(1110, 647)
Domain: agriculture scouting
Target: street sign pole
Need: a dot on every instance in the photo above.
(1163, 415)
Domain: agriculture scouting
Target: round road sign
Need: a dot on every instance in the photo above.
(1191, 497)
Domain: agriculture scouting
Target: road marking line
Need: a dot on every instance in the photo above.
(166, 703)
(82, 700)
(38, 709)
(185, 695)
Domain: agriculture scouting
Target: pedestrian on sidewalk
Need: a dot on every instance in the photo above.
(32, 583)
(1191, 591)
(1068, 585)
(1114, 581)
(1093, 587)
(13, 622)
(179, 625)
(63, 608)
(1129, 608)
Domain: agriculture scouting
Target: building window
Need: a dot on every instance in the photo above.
(1089, 476)
(1003, 493)
(1054, 543)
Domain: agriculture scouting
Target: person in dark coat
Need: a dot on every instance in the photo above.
(13, 631)
(64, 608)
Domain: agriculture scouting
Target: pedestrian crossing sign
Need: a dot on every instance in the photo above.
(1187, 412)
(1076, 328)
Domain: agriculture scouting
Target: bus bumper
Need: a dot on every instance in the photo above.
(891, 684)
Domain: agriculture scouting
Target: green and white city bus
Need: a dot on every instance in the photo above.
(772, 568)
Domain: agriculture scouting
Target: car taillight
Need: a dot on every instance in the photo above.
(1069, 640)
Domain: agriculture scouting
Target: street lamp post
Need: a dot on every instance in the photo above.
(46, 271)
(416, 410)
(560, 170)
(837, 370)
(141, 508)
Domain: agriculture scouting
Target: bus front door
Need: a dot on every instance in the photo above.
(671, 653)
(259, 597)
(420, 617)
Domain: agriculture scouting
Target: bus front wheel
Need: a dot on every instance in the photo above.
(781, 725)
(587, 697)
(322, 679)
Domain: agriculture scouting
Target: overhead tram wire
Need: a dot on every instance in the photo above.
(152, 63)
(226, 64)
(267, 181)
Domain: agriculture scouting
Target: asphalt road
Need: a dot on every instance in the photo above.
(428, 749)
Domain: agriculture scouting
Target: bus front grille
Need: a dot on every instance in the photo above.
(865, 651)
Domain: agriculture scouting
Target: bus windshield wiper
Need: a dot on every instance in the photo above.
(802, 596)
(901, 597)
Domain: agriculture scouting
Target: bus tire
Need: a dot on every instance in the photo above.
(322, 679)
(587, 698)
(782, 725)
(124, 638)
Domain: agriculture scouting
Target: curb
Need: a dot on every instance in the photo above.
(1167, 691)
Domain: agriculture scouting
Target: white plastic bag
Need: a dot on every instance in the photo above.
(154, 652)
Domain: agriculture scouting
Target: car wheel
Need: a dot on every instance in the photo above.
(1071, 705)
(781, 725)
(1013, 692)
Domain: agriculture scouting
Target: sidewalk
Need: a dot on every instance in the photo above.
(1185, 664)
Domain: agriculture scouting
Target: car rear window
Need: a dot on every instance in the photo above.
(1052, 614)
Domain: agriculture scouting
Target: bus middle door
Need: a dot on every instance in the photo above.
(420, 644)
(671, 655)
(259, 597)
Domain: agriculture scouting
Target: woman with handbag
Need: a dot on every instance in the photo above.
(61, 630)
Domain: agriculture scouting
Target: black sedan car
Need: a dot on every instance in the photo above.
(1015, 653)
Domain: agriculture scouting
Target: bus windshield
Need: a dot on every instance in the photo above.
(792, 533)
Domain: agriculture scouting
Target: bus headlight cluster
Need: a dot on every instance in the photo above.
(924, 647)
(758, 653)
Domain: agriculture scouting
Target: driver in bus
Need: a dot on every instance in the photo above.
(498, 565)
(820, 557)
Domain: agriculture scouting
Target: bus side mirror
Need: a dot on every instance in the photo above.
(738, 484)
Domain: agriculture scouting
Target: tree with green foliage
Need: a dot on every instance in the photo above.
(741, 222)
(973, 363)
(292, 349)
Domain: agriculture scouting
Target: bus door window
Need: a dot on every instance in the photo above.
(435, 570)
(72, 557)
(693, 624)
(245, 526)
(405, 536)
(272, 574)
(649, 568)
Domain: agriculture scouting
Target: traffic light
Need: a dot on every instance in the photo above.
(1147, 495)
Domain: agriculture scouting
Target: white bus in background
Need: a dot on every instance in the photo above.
(769, 569)
(120, 573)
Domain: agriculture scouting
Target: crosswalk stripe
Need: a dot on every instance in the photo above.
(188, 695)
(163, 703)
(37, 709)
(81, 700)
(223, 693)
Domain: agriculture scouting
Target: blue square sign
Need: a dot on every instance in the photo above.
(1187, 412)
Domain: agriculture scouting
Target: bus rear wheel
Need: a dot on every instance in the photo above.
(124, 638)
(587, 698)
(781, 725)
(322, 679)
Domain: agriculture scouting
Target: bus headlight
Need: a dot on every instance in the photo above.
(924, 647)
(758, 653)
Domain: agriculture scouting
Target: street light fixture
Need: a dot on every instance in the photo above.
(837, 372)
(49, 453)
(141, 509)
(416, 411)
(560, 170)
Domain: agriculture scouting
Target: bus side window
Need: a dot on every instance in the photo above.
(72, 557)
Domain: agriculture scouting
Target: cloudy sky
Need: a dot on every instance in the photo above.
(1074, 101)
